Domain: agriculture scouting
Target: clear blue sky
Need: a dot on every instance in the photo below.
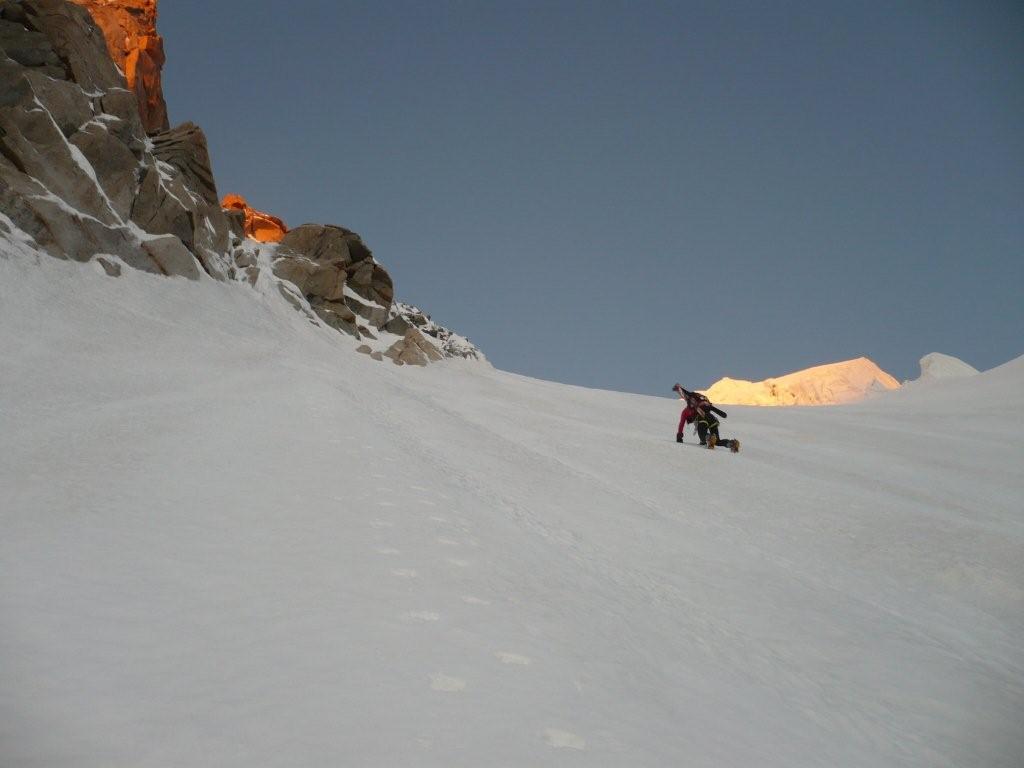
(628, 194)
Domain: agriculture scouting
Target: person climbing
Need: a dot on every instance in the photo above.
(700, 410)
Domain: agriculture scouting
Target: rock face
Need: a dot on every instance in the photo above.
(129, 27)
(78, 175)
(338, 275)
(832, 384)
(89, 171)
(258, 225)
(413, 349)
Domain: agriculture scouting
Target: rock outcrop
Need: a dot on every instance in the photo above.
(258, 225)
(832, 384)
(129, 27)
(90, 171)
(413, 349)
(452, 345)
(78, 174)
(338, 275)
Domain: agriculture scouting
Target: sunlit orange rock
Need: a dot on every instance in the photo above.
(129, 27)
(258, 225)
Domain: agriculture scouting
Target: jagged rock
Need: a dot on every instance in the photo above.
(258, 225)
(236, 224)
(322, 281)
(184, 147)
(404, 317)
(338, 275)
(337, 315)
(129, 28)
(413, 349)
(111, 267)
(28, 48)
(116, 168)
(76, 173)
(81, 179)
(171, 256)
(331, 244)
(76, 41)
(245, 258)
(123, 119)
(397, 325)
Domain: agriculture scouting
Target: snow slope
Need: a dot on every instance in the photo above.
(831, 384)
(228, 542)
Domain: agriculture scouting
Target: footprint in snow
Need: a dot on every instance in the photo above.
(563, 739)
(447, 684)
(421, 616)
(512, 658)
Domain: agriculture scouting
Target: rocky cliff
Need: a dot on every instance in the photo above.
(831, 384)
(79, 177)
(129, 27)
(89, 171)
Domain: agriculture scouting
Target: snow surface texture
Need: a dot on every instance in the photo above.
(226, 542)
(836, 383)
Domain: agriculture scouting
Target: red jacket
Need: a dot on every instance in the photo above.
(686, 417)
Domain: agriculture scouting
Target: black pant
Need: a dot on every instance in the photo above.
(706, 427)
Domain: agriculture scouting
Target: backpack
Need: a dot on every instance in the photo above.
(698, 402)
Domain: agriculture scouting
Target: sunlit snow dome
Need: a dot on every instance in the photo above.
(935, 366)
(846, 382)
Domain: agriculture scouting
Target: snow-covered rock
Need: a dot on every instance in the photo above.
(78, 175)
(80, 179)
(452, 345)
(832, 384)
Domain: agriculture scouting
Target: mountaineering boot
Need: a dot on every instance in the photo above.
(712, 441)
(679, 437)
(734, 446)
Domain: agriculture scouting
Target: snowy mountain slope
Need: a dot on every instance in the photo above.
(936, 365)
(832, 384)
(227, 542)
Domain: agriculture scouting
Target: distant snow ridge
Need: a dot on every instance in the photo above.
(935, 366)
(836, 383)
